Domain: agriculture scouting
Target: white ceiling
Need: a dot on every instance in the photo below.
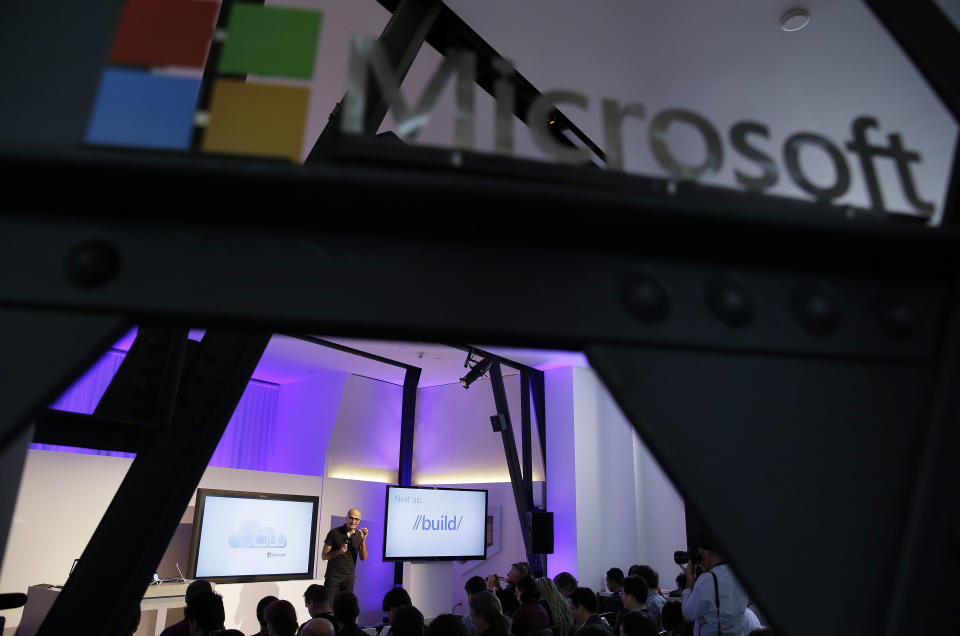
(292, 360)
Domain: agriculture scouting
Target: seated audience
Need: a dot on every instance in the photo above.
(613, 603)
(561, 619)
(407, 621)
(261, 606)
(583, 604)
(346, 609)
(634, 595)
(673, 620)
(474, 585)
(488, 616)
(566, 583)
(531, 615)
(681, 585)
(205, 613)
(317, 601)
(654, 602)
(633, 570)
(182, 628)
(636, 624)
(508, 597)
(281, 618)
(394, 599)
(447, 624)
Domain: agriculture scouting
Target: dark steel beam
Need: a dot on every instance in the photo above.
(804, 436)
(932, 42)
(408, 414)
(345, 349)
(538, 392)
(451, 32)
(147, 507)
(402, 38)
(510, 451)
(43, 353)
(526, 437)
(89, 431)
(144, 389)
(932, 512)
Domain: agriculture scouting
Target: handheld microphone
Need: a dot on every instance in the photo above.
(182, 577)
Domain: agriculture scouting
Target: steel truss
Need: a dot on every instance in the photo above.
(792, 366)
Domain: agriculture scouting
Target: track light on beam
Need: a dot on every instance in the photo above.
(476, 372)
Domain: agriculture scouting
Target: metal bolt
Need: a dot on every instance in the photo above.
(93, 263)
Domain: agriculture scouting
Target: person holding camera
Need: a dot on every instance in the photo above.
(714, 601)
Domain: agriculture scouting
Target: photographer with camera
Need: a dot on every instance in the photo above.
(714, 601)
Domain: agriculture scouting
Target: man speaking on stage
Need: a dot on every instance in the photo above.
(340, 550)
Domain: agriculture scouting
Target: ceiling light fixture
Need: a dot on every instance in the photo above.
(477, 369)
(794, 20)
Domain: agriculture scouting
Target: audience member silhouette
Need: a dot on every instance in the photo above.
(634, 594)
(394, 599)
(346, 609)
(317, 601)
(636, 624)
(566, 583)
(281, 618)
(205, 613)
(508, 597)
(261, 606)
(561, 618)
(182, 628)
(407, 621)
(614, 602)
(447, 624)
(488, 615)
(583, 604)
(531, 615)
(654, 602)
(474, 585)
(134, 622)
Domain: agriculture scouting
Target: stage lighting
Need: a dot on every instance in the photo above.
(478, 369)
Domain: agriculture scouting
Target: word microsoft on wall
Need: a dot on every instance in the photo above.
(368, 56)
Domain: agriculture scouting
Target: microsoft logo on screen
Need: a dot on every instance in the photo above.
(450, 523)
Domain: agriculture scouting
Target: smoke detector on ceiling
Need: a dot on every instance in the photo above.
(794, 20)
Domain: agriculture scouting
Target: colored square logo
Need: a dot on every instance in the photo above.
(270, 41)
(256, 119)
(136, 108)
(164, 33)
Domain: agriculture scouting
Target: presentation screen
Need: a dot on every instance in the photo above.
(252, 536)
(435, 524)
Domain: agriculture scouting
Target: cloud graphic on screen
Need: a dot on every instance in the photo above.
(252, 535)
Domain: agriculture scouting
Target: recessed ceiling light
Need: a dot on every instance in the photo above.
(794, 20)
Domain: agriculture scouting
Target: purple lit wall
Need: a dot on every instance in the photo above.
(246, 443)
(305, 416)
(561, 474)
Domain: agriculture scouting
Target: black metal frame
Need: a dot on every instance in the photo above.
(640, 231)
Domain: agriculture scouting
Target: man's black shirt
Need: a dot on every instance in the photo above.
(343, 564)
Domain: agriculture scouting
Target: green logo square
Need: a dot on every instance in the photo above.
(271, 41)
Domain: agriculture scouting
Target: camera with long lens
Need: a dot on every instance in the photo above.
(692, 555)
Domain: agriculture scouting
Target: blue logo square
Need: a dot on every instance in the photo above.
(136, 108)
